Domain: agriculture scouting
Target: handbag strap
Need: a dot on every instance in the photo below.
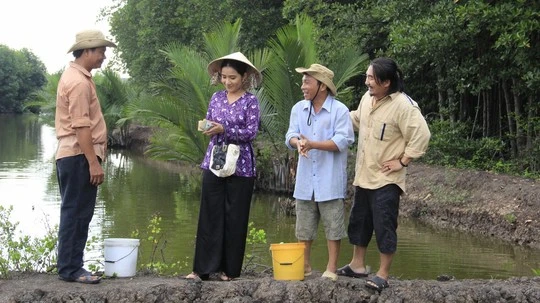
(250, 147)
(224, 135)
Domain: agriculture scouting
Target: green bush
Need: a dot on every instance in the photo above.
(22, 253)
(455, 144)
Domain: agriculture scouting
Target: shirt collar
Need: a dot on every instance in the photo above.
(326, 105)
(80, 68)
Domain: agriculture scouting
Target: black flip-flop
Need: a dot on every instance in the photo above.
(377, 283)
(349, 272)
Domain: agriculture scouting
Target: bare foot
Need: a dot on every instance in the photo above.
(224, 277)
(307, 270)
(193, 276)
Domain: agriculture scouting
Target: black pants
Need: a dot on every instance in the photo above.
(222, 227)
(76, 212)
(375, 210)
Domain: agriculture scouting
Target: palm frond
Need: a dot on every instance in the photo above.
(188, 80)
(224, 40)
(45, 99)
(293, 46)
(349, 65)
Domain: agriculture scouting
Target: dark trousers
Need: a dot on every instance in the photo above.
(223, 222)
(78, 203)
(375, 210)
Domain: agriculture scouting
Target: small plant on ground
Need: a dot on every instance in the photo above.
(255, 244)
(94, 243)
(22, 253)
(510, 218)
(153, 236)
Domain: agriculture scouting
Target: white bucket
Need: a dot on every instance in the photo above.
(121, 257)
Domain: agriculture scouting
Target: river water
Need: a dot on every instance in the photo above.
(136, 189)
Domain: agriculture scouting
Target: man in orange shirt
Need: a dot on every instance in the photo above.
(82, 142)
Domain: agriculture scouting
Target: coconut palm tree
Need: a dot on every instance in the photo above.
(294, 46)
(181, 98)
(114, 94)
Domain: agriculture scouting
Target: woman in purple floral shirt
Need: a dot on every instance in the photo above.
(225, 201)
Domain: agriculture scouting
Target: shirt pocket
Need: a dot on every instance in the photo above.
(383, 130)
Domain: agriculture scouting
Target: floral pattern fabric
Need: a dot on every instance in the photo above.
(241, 121)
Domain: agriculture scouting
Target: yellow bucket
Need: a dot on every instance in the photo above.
(288, 261)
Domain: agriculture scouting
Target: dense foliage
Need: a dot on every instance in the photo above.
(473, 66)
(146, 27)
(21, 75)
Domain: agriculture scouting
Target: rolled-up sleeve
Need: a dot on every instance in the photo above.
(416, 134)
(344, 134)
(78, 110)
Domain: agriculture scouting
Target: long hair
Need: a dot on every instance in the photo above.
(387, 69)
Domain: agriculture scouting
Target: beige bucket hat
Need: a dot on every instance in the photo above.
(214, 67)
(90, 39)
(321, 73)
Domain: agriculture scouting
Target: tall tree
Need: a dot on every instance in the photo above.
(21, 74)
(143, 28)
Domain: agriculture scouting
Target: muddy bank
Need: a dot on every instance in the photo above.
(47, 288)
(500, 206)
(493, 205)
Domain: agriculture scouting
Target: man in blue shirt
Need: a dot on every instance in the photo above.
(321, 130)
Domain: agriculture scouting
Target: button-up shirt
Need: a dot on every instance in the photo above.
(77, 105)
(387, 130)
(322, 176)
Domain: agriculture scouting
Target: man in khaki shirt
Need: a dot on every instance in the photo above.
(391, 133)
(82, 139)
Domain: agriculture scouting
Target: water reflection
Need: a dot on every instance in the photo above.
(135, 189)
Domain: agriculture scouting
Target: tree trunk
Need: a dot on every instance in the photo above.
(441, 103)
(530, 129)
(485, 116)
(476, 115)
(520, 139)
(509, 117)
(500, 99)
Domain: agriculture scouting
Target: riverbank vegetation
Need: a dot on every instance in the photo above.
(472, 66)
(22, 253)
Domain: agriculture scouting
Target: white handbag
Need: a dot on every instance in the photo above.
(223, 159)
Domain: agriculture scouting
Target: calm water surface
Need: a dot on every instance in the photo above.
(135, 189)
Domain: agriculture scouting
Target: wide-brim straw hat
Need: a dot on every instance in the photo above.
(90, 39)
(321, 73)
(214, 67)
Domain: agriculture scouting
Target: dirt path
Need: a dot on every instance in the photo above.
(47, 288)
